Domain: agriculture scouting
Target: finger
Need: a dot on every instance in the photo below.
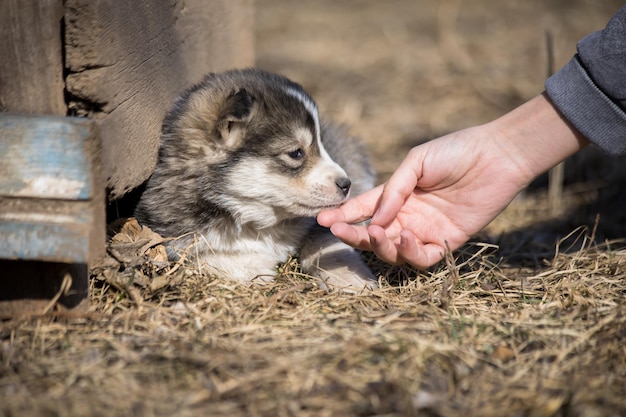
(327, 218)
(399, 187)
(416, 253)
(355, 236)
(383, 247)
(355, 210)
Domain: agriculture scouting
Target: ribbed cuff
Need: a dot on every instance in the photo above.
(586, 107)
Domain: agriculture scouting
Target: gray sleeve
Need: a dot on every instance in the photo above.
(590, 90)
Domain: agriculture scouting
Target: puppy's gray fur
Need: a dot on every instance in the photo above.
(244, 166)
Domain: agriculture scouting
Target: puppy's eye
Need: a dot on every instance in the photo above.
(297, 154)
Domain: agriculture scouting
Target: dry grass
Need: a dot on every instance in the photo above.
(474, 336)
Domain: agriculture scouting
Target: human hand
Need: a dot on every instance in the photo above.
(448, 189)
(441, 194)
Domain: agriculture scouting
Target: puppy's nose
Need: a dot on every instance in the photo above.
(344, 185)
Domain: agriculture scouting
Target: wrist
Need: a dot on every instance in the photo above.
(535, 137)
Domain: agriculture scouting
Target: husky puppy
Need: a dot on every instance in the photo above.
(244, 166)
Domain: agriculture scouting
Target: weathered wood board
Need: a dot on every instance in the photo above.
(128, 60)
(44, 157)
(31, 59)
(52, 223)
(45, 231)
(51, 202)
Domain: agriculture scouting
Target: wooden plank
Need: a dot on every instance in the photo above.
(46, 230)
(51, 197)
(128, 60)
(51, 212)
(52, 222)
(44, 157)
(31, 68)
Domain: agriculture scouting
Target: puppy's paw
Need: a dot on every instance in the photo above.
(339, 266)
(346, 279)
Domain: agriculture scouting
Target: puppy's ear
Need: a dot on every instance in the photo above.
(236, 113)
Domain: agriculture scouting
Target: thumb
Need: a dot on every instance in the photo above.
(398, 188)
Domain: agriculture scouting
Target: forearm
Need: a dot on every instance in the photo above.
(536, 137)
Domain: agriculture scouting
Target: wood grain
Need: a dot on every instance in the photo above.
(44, 157)
(51, 205)
(128, 60)
(31, 68)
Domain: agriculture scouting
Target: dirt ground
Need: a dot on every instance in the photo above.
(526, 320)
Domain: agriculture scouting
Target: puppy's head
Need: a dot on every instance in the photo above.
(254, 141)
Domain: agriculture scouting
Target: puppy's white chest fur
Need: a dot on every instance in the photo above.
(246, 254)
